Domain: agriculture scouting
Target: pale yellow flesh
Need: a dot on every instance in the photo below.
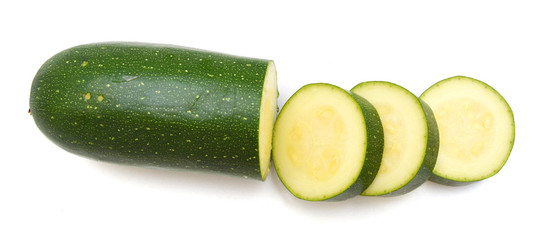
(405, 135)
(319, 142)
(476, 129)
(268, 110)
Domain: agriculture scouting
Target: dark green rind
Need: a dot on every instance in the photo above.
(458, 182)
(448, 182)
(162, 106)
(375, 141)
(431, 155)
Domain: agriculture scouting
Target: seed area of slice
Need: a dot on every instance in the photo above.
(476, 128)
(319, 142)
(316, 140)
(410, 138)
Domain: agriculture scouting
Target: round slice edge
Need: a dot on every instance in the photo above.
(411, 138)
(476, 127)
(320, 144)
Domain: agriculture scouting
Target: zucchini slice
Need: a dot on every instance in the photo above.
(327, 144)
(159, 106)
(411, 138)
(476, 127)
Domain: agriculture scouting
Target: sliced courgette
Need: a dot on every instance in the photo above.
(327, 144)
(160, 106)
(411, 138)
(476, 127)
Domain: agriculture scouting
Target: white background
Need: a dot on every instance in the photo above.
(47, 193)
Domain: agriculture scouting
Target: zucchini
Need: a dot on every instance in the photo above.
(159, 106)
(411, 138)
(327, 143)
(476, 126)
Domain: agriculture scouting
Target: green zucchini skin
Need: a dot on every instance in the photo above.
(375, 141)
(153, 105)
(448, 182)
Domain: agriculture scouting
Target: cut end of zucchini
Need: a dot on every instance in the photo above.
(268, 110)
(319, 142)
(405, 137)
(476, 128)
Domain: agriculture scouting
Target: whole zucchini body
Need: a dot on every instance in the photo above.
(160, 106)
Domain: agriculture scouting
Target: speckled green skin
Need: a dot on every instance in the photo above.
(153, 105)
(375, 141)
